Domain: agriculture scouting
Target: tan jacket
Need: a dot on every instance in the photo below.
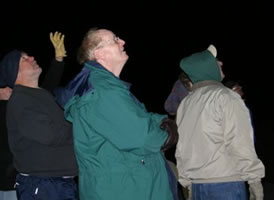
(216, 141)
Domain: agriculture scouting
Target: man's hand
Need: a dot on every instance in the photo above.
(57, 40)
(189, 188)
(256, 191)
(170, 127)
(5, 93)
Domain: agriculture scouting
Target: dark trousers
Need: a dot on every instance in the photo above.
(45, 188)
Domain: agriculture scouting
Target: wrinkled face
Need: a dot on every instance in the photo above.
(28, 67)
(111, 47)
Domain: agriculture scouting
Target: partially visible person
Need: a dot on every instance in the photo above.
(7, 170)
(40, 139)
(215, 152)
(118, 143)
(179, 90)
(235, 86)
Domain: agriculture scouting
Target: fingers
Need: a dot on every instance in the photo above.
(61, 40)
(51, 37)
(164, 125)
(57, 38)
(9, 90)
(5, 93)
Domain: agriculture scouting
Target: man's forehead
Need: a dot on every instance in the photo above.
(24, 54)
(104, 33)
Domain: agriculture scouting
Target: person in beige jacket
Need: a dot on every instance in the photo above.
(215, 153)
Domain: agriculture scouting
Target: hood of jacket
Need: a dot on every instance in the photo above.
(201, 66)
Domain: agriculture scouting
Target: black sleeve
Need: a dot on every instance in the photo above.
(53, 76)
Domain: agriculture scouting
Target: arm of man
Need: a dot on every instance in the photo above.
(240, 135)
(117, 117)
(56, 69)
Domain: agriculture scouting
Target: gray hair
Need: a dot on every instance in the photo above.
(89, 43)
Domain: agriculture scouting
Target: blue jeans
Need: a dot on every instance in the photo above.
(219, 191)
(45, 188)
(8, 195)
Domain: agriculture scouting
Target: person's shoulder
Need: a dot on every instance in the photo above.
(21, 95)
(17, 92)
(226, 95)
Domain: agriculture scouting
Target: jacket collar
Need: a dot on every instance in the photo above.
(205, 83)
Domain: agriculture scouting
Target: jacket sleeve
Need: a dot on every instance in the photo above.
(121, 120)
(53, 76)
(240, 140)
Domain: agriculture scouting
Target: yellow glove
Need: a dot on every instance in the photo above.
(57, 40)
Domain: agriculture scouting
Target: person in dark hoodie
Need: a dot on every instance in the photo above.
(215, 152)
(40, 139)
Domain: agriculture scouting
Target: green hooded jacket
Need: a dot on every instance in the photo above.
(117, 143)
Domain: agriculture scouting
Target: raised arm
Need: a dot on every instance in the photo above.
(56, 69)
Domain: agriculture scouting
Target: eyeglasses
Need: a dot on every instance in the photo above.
(103, 43)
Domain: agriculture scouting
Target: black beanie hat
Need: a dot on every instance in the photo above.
(9, 68)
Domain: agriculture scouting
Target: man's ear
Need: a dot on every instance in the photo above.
(98, 54)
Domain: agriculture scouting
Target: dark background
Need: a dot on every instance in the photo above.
(157, 36)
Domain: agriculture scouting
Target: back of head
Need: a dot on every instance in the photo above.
(89, 43)
(202, 66)
(9, 68)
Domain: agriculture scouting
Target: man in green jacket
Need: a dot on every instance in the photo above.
(117, 142)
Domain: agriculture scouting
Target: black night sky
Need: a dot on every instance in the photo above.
(157, 37)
